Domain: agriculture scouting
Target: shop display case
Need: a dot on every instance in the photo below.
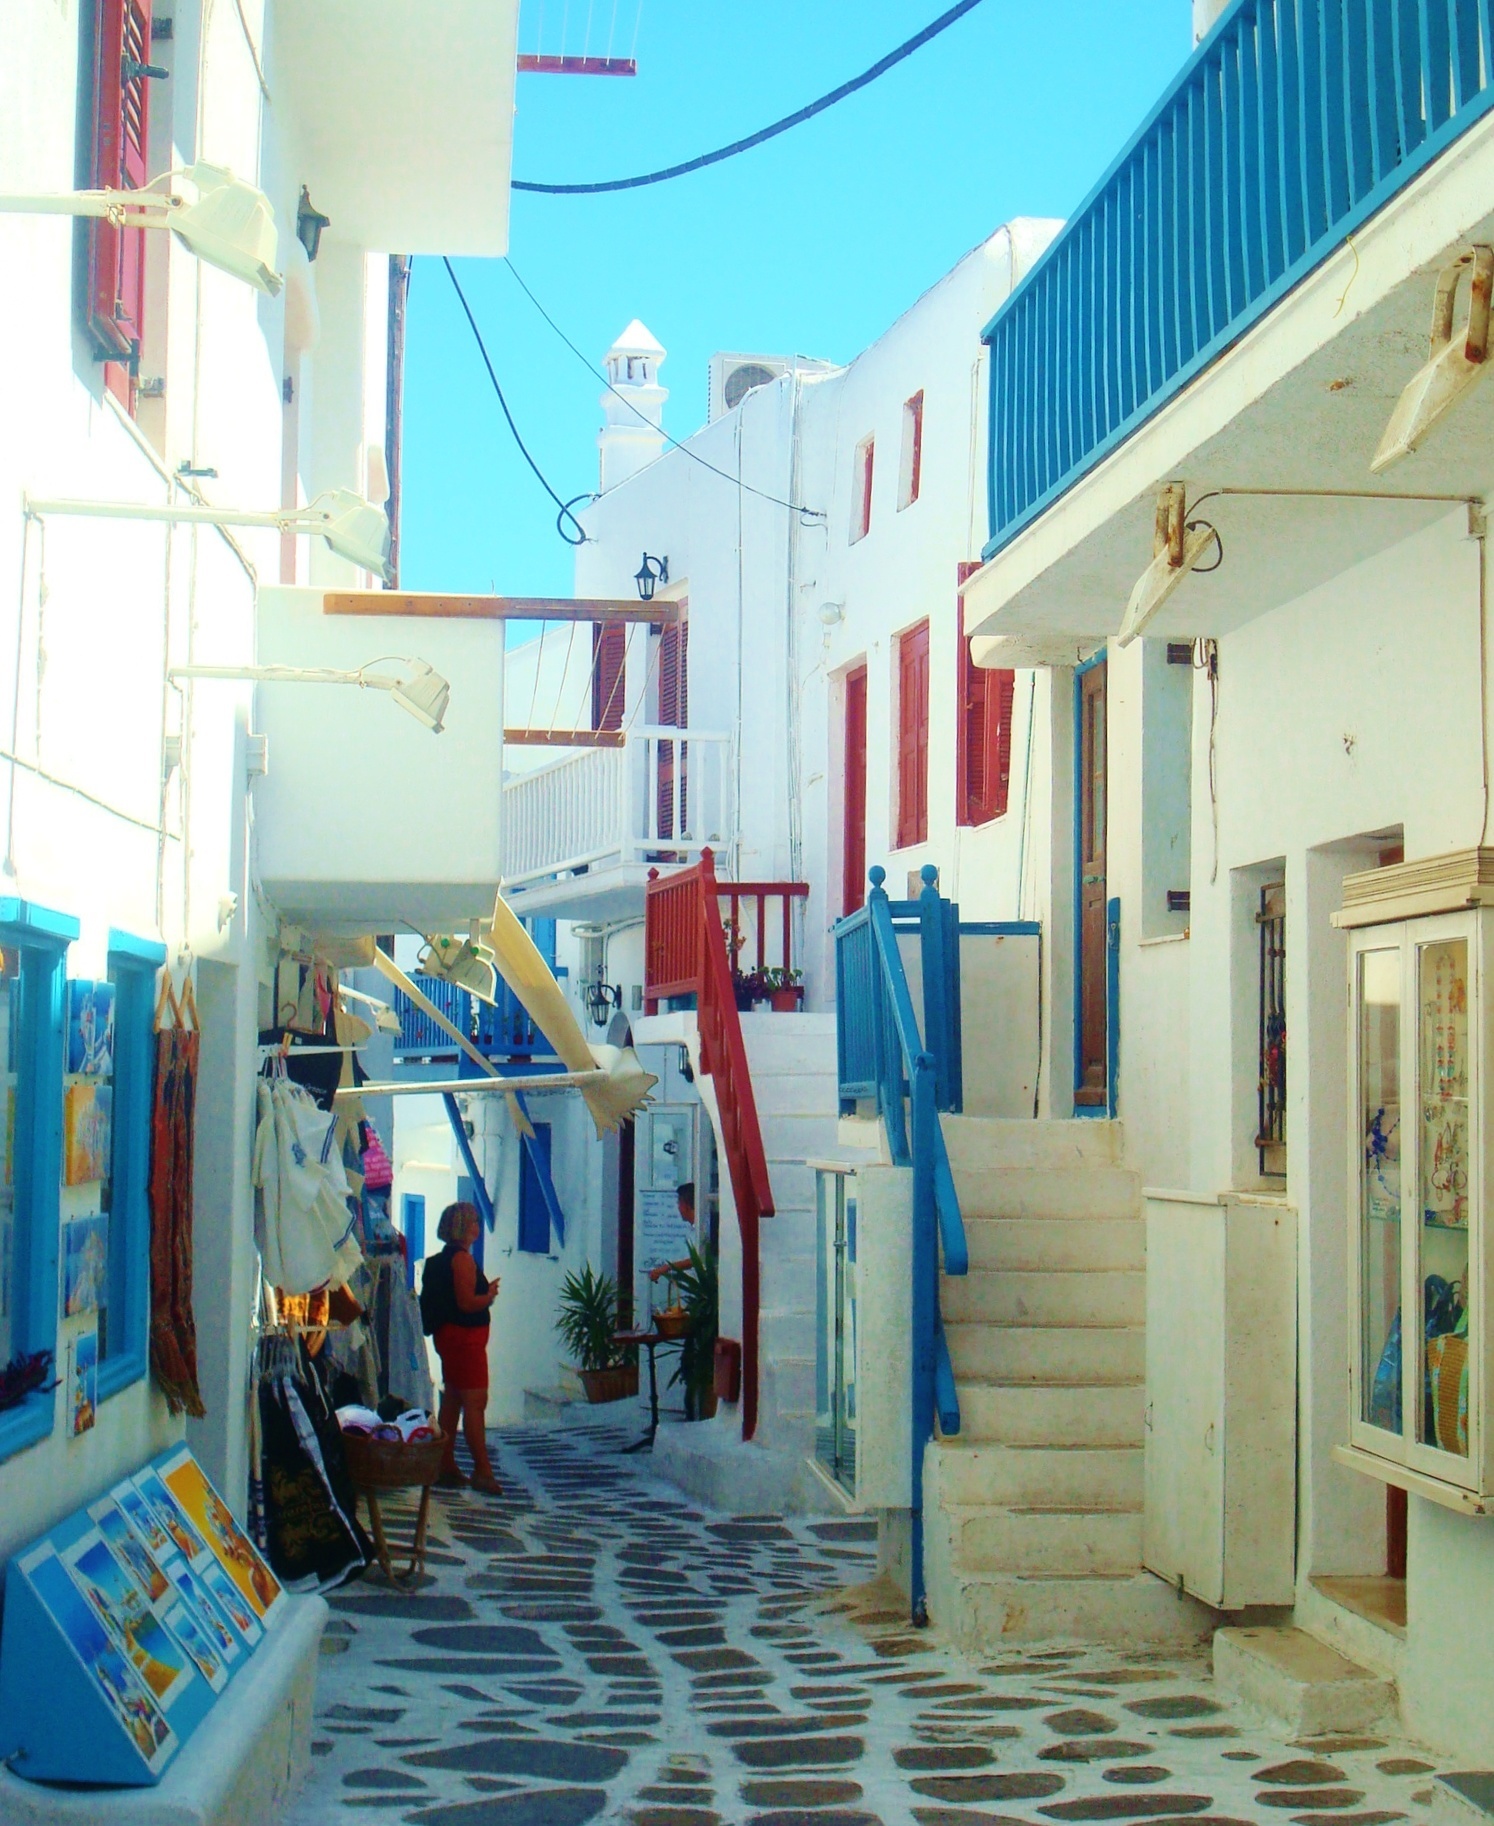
(1420, 980)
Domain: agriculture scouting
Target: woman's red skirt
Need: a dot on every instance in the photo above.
(463, 1350)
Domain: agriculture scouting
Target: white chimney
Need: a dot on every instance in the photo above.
(632, 425)
(1205, 12)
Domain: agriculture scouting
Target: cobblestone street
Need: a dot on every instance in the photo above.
(593, 1647)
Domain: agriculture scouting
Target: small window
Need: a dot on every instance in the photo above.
(1271, 1132)
(913, 736)
(609, 674)
(861, 488)
(983, 756)
(910, 464)
(120, 135)
(534, 1207)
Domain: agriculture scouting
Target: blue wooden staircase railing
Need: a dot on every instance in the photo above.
(883, 1057)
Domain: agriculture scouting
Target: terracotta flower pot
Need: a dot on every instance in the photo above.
(614, 1384)
(788, 999)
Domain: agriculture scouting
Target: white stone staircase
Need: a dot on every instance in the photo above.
(1032, 1514)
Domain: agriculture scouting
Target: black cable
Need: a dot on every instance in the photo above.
(808, 513)
(906, 49)
(482, 348)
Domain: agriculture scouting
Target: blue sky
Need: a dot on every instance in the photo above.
(813, 243)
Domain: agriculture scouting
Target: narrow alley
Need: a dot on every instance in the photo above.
(591, 1647)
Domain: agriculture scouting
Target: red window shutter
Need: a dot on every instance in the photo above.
(984, 750)
(608, 674)
(674, 705)
(913, 737)
(121, 136)
(853, 873)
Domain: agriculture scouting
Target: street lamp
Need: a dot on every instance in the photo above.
(354, 528)
(222, 219)
(424, 693)
(650, 572)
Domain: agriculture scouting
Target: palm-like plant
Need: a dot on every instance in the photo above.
(588, 1320)
(699, 1292)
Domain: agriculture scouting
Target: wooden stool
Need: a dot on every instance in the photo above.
(377, 1465)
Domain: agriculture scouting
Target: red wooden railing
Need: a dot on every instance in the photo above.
(686, 952)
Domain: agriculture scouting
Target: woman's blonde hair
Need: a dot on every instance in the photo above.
(457, 1220)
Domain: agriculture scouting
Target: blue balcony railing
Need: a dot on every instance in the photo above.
(1292, 123)
(418, 1033)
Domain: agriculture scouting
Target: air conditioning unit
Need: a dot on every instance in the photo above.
(733, 377)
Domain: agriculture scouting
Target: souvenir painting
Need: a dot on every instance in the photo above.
(101, 1655)
(233, 1549)
(85, 1283)
(192, 1634)
(83, 1380)
(90, 1028)
(142, 1518)
(123, 1611)
(167, 1512)
(132, 1554)
(87, 1130)
(240, 1614)
(200, 1600)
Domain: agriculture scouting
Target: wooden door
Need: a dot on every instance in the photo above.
(913, 737)
(674, 707)
(1091, 1061)
(853, 850)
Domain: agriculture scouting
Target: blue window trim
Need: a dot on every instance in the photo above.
(535, 1217)
(42, 938)
(133, 964)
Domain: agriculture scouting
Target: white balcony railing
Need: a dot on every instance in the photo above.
(665, 791)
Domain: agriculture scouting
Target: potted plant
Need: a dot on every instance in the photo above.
(785, 989)
(699, 1293)
(751, 988)
(588, 1324)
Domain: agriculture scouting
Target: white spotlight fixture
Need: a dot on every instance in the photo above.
(1452, 367)
(222, 219)
(1177, 546)
(424, 693)
(354, 528)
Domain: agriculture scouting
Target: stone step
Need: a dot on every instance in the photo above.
(1101, 1477)
(1083, 1191)
(1299, 1683)
(1046, 1243)
(1034, 1414)
(1077, 1297)
(797, 1094)
(1050, 1540)
(985, 1611)
(979, 1141)
(1054, 1354)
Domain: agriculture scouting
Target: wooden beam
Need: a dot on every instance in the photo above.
(564, 738)
(532, 63)
(499, 608)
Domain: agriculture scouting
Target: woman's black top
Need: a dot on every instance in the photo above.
(438, 1304)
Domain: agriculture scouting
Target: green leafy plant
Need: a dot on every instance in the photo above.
(699, 1288)
(776, 977)
(588, 1318)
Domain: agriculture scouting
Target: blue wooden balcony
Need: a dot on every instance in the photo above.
(1292, 123)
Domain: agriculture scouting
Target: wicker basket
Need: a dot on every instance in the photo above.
(672, 1322)
(390, 1464)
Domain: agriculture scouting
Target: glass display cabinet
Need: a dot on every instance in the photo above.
(1420, 1027)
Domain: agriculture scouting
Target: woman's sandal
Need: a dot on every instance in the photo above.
(488, 1486)
(452, 1480)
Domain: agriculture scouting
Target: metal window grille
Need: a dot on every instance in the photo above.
(1271, 1136)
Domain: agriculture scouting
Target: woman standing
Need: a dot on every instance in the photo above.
(456, 1298)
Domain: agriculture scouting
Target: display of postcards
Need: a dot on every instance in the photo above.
(212, 1518)
(142, 1518)
(204, 1608)
(83, 1380)
(90, 1028)
(240, 1614)
(132, 1553)
(164, 1507)
(115, 1679)
(85, 1262)
(121, 1605)
(87, 1131)
(194, 1638)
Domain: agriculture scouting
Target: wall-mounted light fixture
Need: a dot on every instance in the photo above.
(1453, 365)
(219, 217)
(651, 572)
(354, 528)
(601, 998)
(424, 693)
(309, 224)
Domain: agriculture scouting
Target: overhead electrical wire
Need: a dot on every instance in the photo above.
(565, 507)
(879, 68)
(794, 507)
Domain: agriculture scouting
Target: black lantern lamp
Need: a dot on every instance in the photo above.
(601, 998)
(651, 572)
(309, 224)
